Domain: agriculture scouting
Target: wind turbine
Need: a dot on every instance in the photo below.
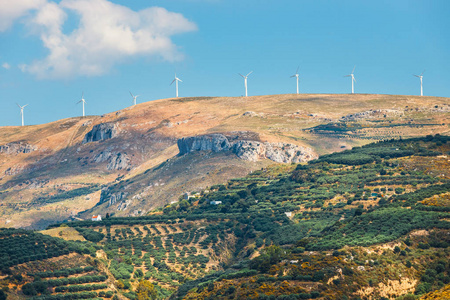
(245, 81)
(296, 75)
(353, 79)
(176, 79)
(420, 77)
(21, 111)
(134, 98)
(82, 101)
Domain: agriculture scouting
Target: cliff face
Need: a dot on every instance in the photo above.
(212, 142)
(101, 132)
(251, 150)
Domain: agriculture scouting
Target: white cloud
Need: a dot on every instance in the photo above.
(6, 66)
(107, 34)
(10, 10)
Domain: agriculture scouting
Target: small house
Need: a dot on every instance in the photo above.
(96, 218)
(288, 214)
(215, 202)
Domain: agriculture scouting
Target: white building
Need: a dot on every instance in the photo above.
(96, 218)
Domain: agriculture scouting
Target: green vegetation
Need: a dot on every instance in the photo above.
(90, 235)
(20, 246)
(279, 233)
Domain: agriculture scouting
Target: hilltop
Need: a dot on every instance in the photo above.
(128, 162)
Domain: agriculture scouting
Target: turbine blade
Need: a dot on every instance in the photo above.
(353, 69)
(137, 96)
(131, 94)
(180, 80)
(297, 69)
(347, 75)
(422, 73)
(249, 73)
(293, 76)
(354, 79)
(416, 76)
(172, 81)
(25, 105)
(19, 105)
(241, 75)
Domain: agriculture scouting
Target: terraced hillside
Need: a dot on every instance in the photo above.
(128, 162)
(367, 223)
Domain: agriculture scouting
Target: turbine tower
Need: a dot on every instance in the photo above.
(245, 81)
(420, 77)
(176, 79)
(134, 98)
(353, 79)
(82, 101)
(21, 111)
(296, 75)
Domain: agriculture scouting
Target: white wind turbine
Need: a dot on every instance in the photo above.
(420, 77)
(134, 98)
(296, 75)
(176, 79)
(82, 101)
(21, 111)
(245, 81)
(353, 79)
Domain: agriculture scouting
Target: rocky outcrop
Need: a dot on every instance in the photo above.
(251, 150)
(14, 170)
(101, 132)
(120, 161)
(278, 152)
(116, 160)
(212, 142)
(112, 198)
(377, 113)
(17, 148)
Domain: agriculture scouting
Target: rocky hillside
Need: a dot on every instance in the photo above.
(366, 223)
(134, 160)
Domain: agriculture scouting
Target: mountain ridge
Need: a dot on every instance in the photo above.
(147, 134)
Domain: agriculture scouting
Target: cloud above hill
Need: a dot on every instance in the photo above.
(107, 34)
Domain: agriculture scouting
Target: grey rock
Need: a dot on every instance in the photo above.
(251, 150)
(212, 142)
(288, 153)
(101, 132)
(102, 156)
(17, 148)
(120, 161)
(116, 160)
(111, 198)
(14, 170)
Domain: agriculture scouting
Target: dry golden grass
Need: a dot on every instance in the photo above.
(66, 233)
(148, 134)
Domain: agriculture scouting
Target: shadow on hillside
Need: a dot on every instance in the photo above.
(71, 162)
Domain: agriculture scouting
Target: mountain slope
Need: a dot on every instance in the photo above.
(368, 223)
(54, 171)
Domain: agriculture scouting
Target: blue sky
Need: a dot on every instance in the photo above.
(52, 51)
